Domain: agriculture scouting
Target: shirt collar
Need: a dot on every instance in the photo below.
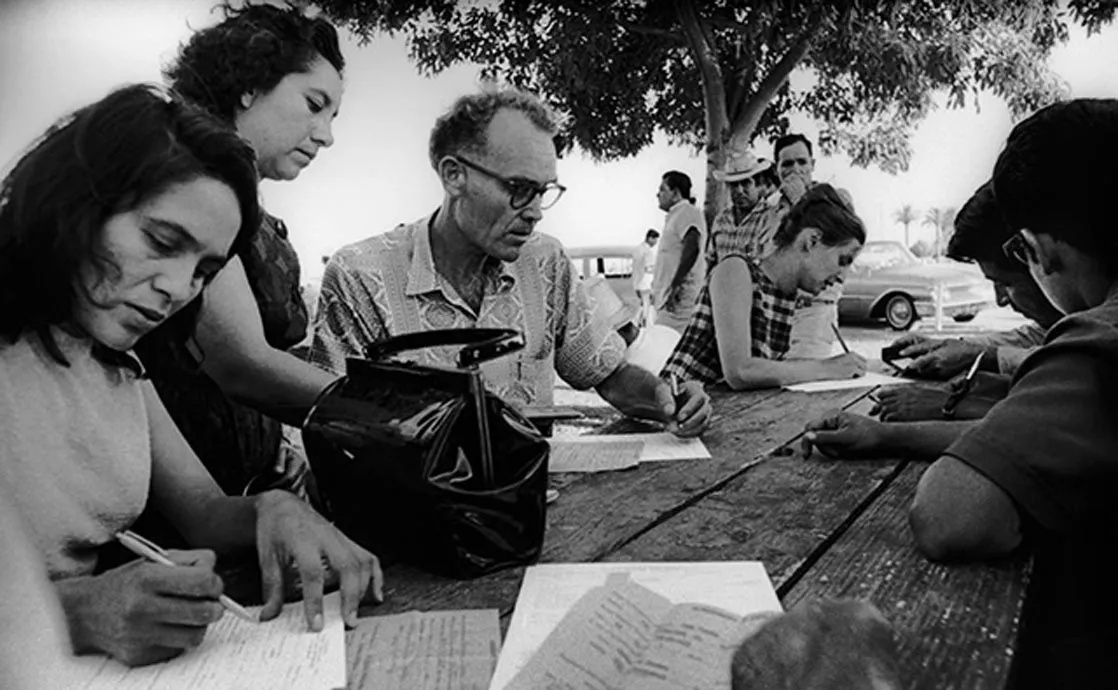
(422, 277)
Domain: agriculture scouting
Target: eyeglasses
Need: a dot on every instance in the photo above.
(1017, 249)
(521, 192)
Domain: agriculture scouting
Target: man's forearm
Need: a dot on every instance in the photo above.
(632, 390)
(921, 440)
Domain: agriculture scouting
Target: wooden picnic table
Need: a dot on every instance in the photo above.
(823, 528)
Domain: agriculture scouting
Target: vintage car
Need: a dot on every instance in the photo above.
(888, 282)
(614, 263)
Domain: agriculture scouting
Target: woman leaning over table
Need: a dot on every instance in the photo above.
(275, 75)
(110, 224)
(740, 330)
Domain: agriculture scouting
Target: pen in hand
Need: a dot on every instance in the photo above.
(973, 369)
(149, 550)
(838, 336)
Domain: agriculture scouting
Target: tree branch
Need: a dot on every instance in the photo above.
(650, 31)
(714, 100)
(746, 62)
(706, 59)
(750, 115)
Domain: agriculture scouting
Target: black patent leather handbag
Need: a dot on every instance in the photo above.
(423, 464)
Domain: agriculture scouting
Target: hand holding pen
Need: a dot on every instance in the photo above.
(690, 411)
(149, 550)
(960, 390)
(848, 365)
(144, 612)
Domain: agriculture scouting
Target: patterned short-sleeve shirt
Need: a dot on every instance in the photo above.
(770, 322)
(387, 285)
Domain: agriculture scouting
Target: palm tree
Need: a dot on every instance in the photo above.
(905, 215)
(942, 221)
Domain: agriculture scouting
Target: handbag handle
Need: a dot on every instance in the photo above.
(483, 344)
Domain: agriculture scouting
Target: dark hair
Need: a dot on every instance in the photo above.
(1057, 176)
(464, 126)
(824, 208)
(789, 140)
(980, 232)
(252, 49)
(651, 234)
(679, 182)
(104, 159)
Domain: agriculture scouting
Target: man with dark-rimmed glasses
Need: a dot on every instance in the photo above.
(477, 261)
(1041, 470)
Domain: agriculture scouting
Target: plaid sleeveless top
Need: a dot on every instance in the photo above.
(770, 325)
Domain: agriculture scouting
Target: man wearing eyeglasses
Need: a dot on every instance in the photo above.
(978, 237)
(1041, 469)
(478, 262)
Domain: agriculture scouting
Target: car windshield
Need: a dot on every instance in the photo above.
(884, 255)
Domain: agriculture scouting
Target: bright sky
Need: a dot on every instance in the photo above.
(56, 55)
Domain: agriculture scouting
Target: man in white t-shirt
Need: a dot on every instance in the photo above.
(644, 263)
(680, 264)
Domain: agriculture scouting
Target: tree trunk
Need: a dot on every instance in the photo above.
(714, 104)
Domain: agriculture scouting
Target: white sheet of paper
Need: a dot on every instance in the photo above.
(436, 650)
(593, 457)
(549, 591)
(655, 447)
(238, 655)
(867, 380)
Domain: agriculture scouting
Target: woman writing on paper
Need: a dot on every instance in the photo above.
(740, 330)
(110, 224)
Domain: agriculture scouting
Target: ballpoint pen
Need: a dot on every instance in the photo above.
(956, 396)
(149, 550)
(839, 337)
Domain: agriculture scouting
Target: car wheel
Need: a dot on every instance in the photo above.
(900, 312)
(963, 318)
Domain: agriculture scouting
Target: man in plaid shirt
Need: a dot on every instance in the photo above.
(812, 336)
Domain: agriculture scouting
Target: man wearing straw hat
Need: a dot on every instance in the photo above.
(750, 180)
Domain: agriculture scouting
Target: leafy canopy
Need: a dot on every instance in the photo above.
(715, 73)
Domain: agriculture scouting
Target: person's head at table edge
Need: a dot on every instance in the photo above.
(495, 155)
(980, 232)
(275, 74)
(1052, 182)
(118, 216)
(822, 231)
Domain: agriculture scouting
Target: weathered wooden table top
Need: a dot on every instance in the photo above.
(823, 528)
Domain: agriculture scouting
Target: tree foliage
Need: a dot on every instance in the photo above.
(905, 215)
(715, 73)
(942, 221)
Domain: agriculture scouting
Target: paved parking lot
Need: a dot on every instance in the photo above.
(868, 339)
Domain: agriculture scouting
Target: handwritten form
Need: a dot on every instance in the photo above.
(548, 592)
(623, 636)
(598, 453)
(238, 655)
(440, 650)
(867, 380)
